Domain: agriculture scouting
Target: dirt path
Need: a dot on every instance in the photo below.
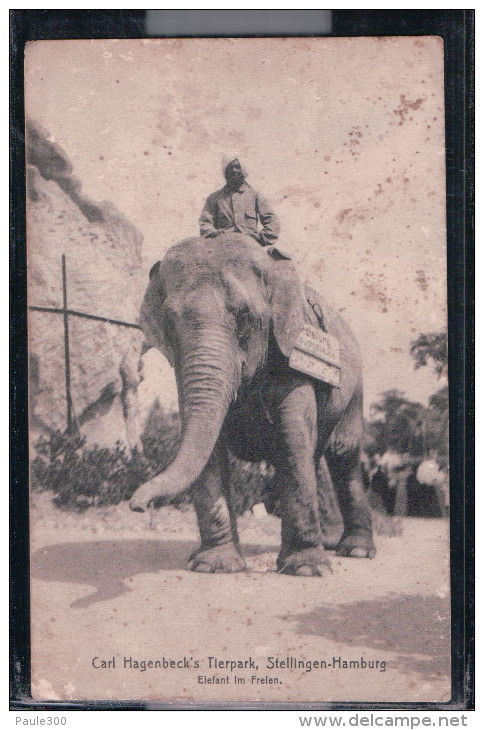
(109, 593)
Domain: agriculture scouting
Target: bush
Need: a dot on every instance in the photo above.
(81, 477)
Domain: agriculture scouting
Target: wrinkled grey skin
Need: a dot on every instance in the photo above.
(226, 316)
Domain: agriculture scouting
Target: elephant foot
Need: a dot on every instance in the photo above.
(309, 562)
(331, 538)
(219, 559)
(356, 545)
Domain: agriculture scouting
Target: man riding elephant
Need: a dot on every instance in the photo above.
(238, 208)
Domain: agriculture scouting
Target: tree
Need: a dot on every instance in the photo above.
(408, 427)
(431, 349)
(399, 424)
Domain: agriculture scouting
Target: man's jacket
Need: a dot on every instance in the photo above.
(240, 210)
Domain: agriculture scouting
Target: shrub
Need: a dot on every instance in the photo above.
(81, 477)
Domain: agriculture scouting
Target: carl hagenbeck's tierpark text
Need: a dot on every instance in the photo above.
(286, 663)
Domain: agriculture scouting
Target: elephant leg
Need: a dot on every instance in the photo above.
(219, 550)
(330, 517)
(343, 456)
(302, 550)
(357, 540)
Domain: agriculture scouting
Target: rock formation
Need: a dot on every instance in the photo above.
(103, 265)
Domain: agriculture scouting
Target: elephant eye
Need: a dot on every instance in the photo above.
(169, 315)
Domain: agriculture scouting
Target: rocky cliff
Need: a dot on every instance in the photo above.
(103, 265)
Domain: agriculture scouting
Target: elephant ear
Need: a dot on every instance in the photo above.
(287, 302)
(151, 315)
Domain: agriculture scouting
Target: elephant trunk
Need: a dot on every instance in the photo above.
(208, 378)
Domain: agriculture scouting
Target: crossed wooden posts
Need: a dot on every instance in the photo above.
(66, 313)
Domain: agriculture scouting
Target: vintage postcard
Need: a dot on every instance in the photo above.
(238, 370)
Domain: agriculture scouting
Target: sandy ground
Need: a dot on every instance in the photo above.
(110, 591)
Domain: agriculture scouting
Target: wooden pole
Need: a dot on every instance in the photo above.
(66, 346)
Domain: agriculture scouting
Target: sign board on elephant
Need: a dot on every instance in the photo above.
(318, 343)
(315, 367)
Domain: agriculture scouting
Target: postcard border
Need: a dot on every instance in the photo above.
(456, 27)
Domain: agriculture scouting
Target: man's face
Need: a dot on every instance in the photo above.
(233, 174)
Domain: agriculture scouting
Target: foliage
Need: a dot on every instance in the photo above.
(409, 428)
(399, 424)
(81, 477)
(439, 401)
(430, 349)
(411, 432)
(438, 425)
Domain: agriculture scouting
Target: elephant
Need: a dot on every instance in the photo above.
(227, 316)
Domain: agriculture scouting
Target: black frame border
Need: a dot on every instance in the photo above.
(456, 27)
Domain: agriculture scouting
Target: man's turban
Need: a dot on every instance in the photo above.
(227, 159)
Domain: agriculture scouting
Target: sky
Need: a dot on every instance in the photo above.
(345, 136)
